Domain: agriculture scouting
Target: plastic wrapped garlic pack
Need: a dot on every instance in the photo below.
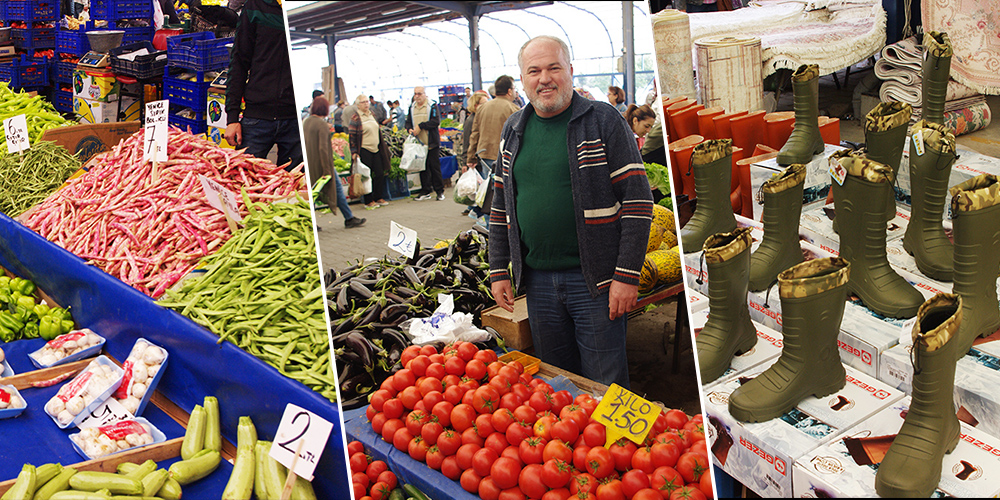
(143, 369)
(87, 390)
(67, 347)
(96, 442)
(9, 398)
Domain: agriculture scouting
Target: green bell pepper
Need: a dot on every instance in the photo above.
(26, 302)
(7, 335)
(21, 285)
(66, 325)
(30, 330)
(41, 310)
(4, 282)
(59, 313)
(49, 327)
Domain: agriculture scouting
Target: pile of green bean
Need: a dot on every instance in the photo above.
(262, 292)
(40, 114)
(29, 178)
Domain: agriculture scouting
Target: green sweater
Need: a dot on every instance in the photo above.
(545, 211)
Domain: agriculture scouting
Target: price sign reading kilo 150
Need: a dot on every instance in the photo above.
(625, 415)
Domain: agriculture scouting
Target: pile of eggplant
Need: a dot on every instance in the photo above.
(367, 303)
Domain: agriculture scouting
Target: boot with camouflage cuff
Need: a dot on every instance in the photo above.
(885, 136)
(860, 204)
(813, 295)
(975, 208)
(779, 249)
(912, 466)
(932, 153)
(936, 71)
(712, 165)
(729, 330)
(805, 141)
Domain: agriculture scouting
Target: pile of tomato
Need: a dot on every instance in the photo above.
(506, 435)
(370, 479)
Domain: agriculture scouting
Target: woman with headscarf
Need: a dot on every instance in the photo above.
(319, 157)
(366, 143)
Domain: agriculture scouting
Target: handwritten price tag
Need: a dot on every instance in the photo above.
(300, 440)
(16, 129)
(402, 239)
(155, 134)
(221, 198)
(109, 412)
(625, 415)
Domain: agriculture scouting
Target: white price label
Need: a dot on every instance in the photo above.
(402, 239)
(918, 142)
(300, 440)
(111, 411)
(906, 331)
(221, 198)
(838, 171)
(155, 139)
(16, 129)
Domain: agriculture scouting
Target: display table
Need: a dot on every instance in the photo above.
(660, 294)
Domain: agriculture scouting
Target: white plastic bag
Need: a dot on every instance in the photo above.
(465, 188)
(481, 192)
(366, 175)
(445, 325)
(414, 155)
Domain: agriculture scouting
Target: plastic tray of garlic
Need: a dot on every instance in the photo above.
(143, 369)
(68, 347)
(96, 442)
(11, 402)
(85, 392)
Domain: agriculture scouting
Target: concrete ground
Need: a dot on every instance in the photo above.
(649, 344)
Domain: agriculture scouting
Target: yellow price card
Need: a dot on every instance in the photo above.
(625, 415)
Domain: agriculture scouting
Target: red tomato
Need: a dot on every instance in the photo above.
(380, 491)
(403, 378)
(409, 396)
(389, 429)
(541, 385)
(450, 468)
(470, 436)
(560, 400)
(530, 481)
(449, 441)
(442, 411)
(475, 369)
(464, 455)
(401, 439)
(595, 434)
(705, 485)
(699, 447)
(580, 457)
(514, 493)
(421, 406)
(509, 372)
(470, 481)
(488, 489)
(361, 478)
(556, 449)
(430, 431)
(691, 466)
(493, 368)
(417, 449)
(483, 460)
(517, 432)
(462, 417)
(433, 457)
(676, 419)
(468, 385)
(566, 430)
(387, 385)
(393, 408)
(486, 399)
(375, 469)
(436, 370)
(505, 472)
(486, 356)
(359, 462)
(415, 422)
(687, 493)
(530, 451)
(665, 480)
(522, 391)
(588, 404)
(467, 351)
(468, 397)
(410, 353)
(557, 494)
(577, 414)
(501, 419)
(647, 494)
(512, 452)
(484, 425)
(510, 401)
(633, 481)
(582, 481)
(496, 442)
(379, 397)
(437, 358)
(455, 366)
(429, 384)
(418, 365)
(526, 414)
(556, 473)
(611, 490)
(453, 394)
(622, 452)
(599, 462)
(543, 426)
(664, 454)
(687, 437)
(697, 430)
(670, 437)
(360, 491)
(642, 459)
(501, 384)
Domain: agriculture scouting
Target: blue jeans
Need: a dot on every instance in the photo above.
(342, 200)
(259, 136)
(571, 330)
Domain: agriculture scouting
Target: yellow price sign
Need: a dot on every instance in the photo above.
(625, 415)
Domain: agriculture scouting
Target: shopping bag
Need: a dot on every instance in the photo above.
(465, 188)
(356, 186)
(414, 155)
(362, 170)
(481, 193)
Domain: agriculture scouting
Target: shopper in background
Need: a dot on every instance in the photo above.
(347, 115)
(571, 214)
(261, 77)
(400, 116)
(640, 119)
(394, 111)
(465, 99)
(475, 102)
(338, 115)
(319, 159)
(484, 136)
(616, 96)
(422, 121)
(366, 143)
(377, 109)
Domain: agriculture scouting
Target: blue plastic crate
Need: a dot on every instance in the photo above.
(24, 72)
(197, 125)
(199, 51)
(64, 71)
(73, 42)
(63, 100)
(138, 34)
(32, 10)
(3, 13)
(185, 93)
(30, 39)
(113, 10)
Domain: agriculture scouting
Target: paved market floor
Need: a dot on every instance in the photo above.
(650, 349)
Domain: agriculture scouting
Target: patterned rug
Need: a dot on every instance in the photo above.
(974, 29)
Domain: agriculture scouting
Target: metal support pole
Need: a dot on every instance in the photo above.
(331, 55)
(477, 71)
(629, 63)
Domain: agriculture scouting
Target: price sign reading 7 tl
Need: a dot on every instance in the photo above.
(625, 415)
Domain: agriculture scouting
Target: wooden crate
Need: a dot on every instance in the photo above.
(512, 326)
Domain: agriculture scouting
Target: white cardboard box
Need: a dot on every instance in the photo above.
(766, 350)
(696, 301)
(970, 471)
(969, 164)
(760, 455)
(817, 184)
(694, 267)
(816, 227)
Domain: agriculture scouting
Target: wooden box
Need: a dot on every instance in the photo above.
(513, 327)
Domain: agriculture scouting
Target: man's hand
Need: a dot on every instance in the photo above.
(504, 294)
(415, 131)
(621, 298)
(234, 134)
(470, 165)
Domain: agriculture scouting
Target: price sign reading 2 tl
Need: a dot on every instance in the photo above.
(402, 239)
(625, 415)
(304, 433)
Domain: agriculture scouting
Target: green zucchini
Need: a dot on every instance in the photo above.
(115, 483)
(195, 468)
(56, 484)
(414, 492)
(142, 470)
(171, 490)
(194, 436)
(24, 487)
(213, 433)
(152, 482)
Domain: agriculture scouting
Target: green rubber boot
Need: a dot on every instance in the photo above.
(860, 204)
(930, 169)
(805, 141)
(975, 206)
(812, 294)
(936, 71)
(912, 466)
(712, 164)
(779, 249)
(729, 330)
(885, 136)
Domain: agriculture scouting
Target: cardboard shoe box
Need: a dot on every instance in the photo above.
(816, 227)
(841, 470)
(817, 184)
(696, 301)
(761, 455)
(766, 350)
(694, 267)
